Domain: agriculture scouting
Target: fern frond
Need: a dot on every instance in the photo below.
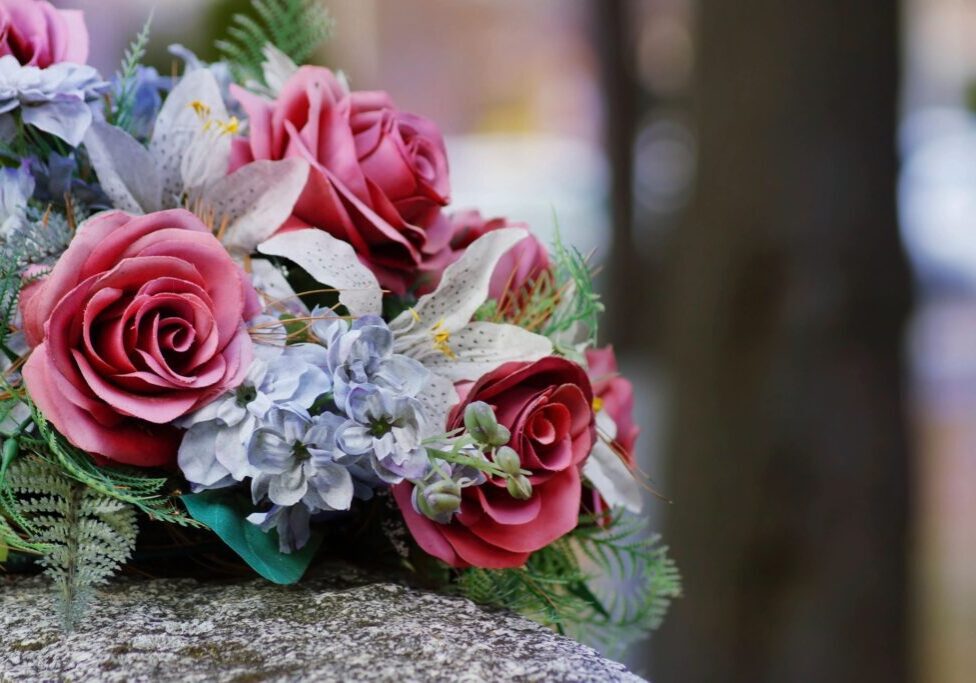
(122, 114)
(86, 535)
(127, 485)
(605, 585)
(296, 27)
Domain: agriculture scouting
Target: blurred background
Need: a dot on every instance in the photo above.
(784, 198)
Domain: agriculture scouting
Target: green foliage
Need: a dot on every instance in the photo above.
(605, 585)
(225, 513)
(87, 535)
(579, 303)
(296, 27)
(122, 111)
(127, 485)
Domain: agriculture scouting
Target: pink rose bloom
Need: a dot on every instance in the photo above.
(547, 405)
(615, 395)
(140, 322)
(379, 176)
(522, 265)
(39, 35)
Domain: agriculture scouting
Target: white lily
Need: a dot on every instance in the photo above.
(438, 331)
(186, 164)
(608, 473)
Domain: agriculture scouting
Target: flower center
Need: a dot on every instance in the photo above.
(300, 452)
(381, 427)
(442, 338)
(245, 394)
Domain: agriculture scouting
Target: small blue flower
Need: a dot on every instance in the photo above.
(292, 524)
(213, 453)
(386, 428)
(294, 459)
(57, 100)
(362, 355)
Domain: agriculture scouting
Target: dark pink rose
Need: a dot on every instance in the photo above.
(547, 406)
(615, 395)
(140, 322)
(379, 176)
(39, 35)
(521, 266)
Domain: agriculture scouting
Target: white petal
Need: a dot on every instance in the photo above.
(464, 286)
(274, 288)
(277, 68)
(481, 347)
(255, 200)
(333, 263)
(125, 169)
(438, 397)
(178, 125)
(612, 478)
(205, 160)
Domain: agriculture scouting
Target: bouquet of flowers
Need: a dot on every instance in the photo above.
(235, 301)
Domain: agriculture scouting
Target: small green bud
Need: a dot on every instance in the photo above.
(479, 420)
(508, 461)
(520, 487)
(440, 500)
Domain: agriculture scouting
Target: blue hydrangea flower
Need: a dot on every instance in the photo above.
(294, 458)
(387, 429)
(361, 354)
(57, 100)
(213, 453)
(292, 524)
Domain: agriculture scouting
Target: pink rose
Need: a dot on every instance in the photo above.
(39, 35)
(547, 406)
(615, 395)
(140, 322)
(521, 266)
(379, 176)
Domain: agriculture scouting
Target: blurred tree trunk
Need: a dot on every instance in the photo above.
(788, 294)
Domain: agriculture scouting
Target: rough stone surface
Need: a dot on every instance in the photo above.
(326, 629)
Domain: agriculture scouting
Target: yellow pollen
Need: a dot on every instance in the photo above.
(415, 315)
(230, 127)
(442, 337)
(597, 404)
(202, 110)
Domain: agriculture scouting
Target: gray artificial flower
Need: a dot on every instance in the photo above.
(294, 461)
(361, 354)
(57, 100)
(213, 453)
(292, 524)
(387, 429)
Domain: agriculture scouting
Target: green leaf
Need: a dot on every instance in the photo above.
(3, 552)
(226, 515)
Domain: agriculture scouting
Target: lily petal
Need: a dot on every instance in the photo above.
(481, 347)
(274, 288)
(463, 288)
(255, 200)
(195, 99)
(612, 478)
(126, 171)
(437, 398)
(333, 263)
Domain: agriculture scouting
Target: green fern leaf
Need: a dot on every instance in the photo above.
(122, 114)
(86, 534)
(296, 27)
